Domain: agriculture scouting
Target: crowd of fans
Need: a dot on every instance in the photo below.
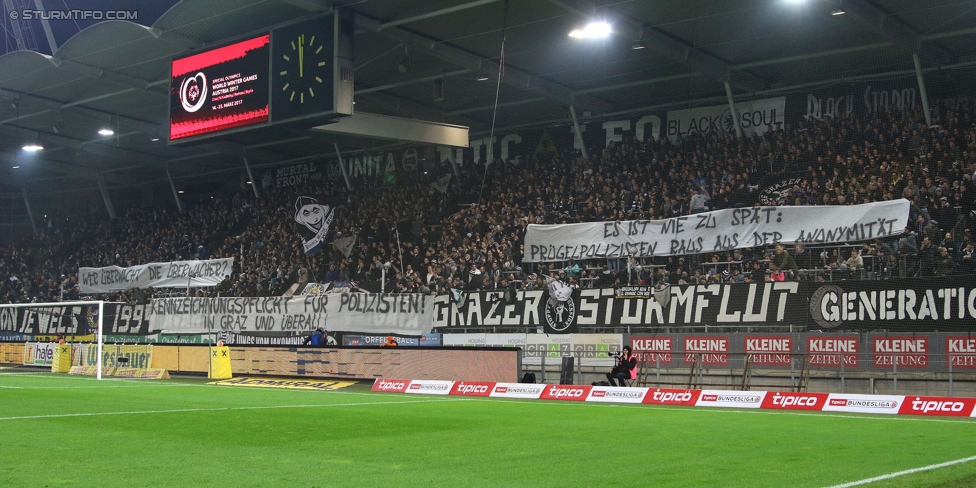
(471, 235)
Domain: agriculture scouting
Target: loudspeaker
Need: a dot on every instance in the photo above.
(566, 373)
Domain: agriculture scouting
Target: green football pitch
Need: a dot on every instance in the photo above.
(76, 431)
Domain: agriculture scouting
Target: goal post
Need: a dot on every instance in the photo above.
(56, 319)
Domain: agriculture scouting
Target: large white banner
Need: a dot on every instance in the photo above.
(176, 274)
(755, 116)
(407, 314)
(721, 230)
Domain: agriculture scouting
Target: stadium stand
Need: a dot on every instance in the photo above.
(840, 161)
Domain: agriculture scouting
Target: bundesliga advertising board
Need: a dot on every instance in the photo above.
(766, 400)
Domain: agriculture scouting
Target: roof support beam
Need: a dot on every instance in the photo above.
(66, 169)
(30, 211)
(465, 59)
(93, 72)
(436, 13)
(178, 39)
(804, 57)
(895, 30)
(414, 81)
(73, 107)
(667, 45)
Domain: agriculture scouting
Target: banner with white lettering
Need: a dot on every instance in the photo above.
(899, 95)
(349, 312)
(73, 321)
(176, 274)
(755, 117)
(721, 230)
(896, 305)
(905, 305)
(729, 304)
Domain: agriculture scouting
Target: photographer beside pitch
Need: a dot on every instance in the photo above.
(625, 369)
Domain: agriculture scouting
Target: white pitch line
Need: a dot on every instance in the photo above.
(93, 387)
(221, 409)
(907, 471)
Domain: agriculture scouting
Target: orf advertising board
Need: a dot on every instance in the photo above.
(219, 89)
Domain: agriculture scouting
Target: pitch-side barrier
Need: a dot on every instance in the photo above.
(772, 400)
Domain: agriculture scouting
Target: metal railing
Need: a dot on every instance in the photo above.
(864, 372)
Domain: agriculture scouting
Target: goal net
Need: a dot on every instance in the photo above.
(67, 334)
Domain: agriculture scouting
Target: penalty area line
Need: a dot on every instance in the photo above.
(219, 409)
(907, 471)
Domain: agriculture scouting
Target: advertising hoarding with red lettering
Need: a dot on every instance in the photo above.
(430, 387)
(610, 394)
(517, 390)
(736, 399)
(883, 404)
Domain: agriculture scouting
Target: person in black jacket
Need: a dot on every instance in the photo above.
(626, 368)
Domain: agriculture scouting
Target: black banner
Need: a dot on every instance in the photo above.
(899, 305)
(899, 95)
(909, 304)
(50, 320)
(716, 304)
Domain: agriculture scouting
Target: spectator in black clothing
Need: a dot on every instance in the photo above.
(626, 368)
(944, 265)
(926, 257)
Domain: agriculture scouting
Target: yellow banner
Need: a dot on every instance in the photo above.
(286, 384)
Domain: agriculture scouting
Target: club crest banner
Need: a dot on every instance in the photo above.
(176, 274)
(314, 221)
(721, 230)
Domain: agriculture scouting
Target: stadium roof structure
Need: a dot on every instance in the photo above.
(661, 55)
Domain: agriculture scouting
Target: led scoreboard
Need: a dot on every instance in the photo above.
(220, 89)
(299, 74)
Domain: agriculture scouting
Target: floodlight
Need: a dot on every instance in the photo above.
(592, 30)
(33, 147)
(106, 132)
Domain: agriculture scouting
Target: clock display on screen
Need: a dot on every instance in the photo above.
(302, 70)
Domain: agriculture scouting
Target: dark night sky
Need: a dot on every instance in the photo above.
(147, 11)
